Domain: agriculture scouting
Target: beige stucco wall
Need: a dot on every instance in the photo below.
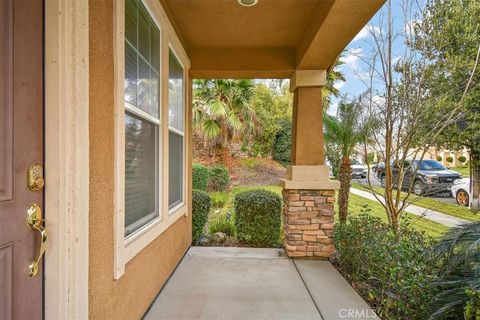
(145, 274)
(307, 131)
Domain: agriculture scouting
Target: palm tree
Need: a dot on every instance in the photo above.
(346, 131)
(222, 111)
(333, 76)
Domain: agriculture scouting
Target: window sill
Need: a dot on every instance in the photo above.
(178, 207)
(141, 239)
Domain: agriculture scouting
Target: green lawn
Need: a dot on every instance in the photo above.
(464, 171)
(356, 204)
(432, 204)
(431, 228)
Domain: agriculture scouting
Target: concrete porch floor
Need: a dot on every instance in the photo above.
(250, 283)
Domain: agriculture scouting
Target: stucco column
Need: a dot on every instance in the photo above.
(307, 129)
(308, 192)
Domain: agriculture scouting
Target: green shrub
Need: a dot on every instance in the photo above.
(223, 223)
(439, 159)
(258, 217)
(218, 178)
(462, 159)
(201, 204)
(219, 199)
(199, 177)
(449, 159)
(394, 276)
(282, 147)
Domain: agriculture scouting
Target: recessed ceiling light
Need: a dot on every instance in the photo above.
(248, 3)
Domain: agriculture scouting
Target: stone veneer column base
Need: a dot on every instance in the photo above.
(308, 223)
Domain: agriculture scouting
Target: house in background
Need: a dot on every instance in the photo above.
(95, 143)
(442, 155)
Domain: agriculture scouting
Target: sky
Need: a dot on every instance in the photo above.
(360, 48)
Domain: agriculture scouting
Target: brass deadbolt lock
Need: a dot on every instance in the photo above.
(35, 181)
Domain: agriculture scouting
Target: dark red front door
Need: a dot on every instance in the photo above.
(21, 147)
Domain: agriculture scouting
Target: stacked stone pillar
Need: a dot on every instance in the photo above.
(308, 193)
(308, 222)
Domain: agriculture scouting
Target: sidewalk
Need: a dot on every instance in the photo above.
(432, 215)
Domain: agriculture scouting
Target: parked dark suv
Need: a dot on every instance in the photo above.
(425, 176)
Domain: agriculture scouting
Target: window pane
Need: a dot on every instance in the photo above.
(175, 93)
(155, 47)
(141, 171)
(131, 21)
(130, 74)
(175, 169)
(147, 94)
(154, 91)
(143, 32)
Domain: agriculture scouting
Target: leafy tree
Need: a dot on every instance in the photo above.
(282, 147)
(222, 111)
(271, 107)
(333, 153)
(346, 131)
(370, 157)
(413, 115)
(449, 37)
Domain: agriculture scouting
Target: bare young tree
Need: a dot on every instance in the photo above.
(398, 95)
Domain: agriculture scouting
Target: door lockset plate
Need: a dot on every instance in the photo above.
(35, 181)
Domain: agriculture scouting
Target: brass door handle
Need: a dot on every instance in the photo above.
(34, 222)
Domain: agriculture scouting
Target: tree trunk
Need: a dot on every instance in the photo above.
(475, 180)
(222, 155)
(395, 226)
(345, 177)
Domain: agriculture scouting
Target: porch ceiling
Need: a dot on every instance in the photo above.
(269, 40)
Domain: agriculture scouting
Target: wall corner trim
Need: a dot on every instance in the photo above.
(67, 159)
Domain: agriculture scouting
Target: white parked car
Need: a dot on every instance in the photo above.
(461, 191)
(358, 170)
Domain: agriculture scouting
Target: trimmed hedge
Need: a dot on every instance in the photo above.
(258, 217)
(282, 146)
(201, 204)
(199, 177)
(462, 159)
(439, 158)
(449, 159)
(218, 178)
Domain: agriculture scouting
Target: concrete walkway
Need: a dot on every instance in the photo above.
(442, 218)
(248, 283)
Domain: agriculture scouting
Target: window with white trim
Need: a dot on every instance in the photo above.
(176, 132)
(142, 117)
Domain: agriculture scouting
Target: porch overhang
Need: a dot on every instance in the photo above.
(269, 40)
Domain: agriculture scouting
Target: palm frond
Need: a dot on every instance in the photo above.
(459, 257)
(211, 129)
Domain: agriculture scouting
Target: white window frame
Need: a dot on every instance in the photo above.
(183, 201)
(145, 116)
(127, 248)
